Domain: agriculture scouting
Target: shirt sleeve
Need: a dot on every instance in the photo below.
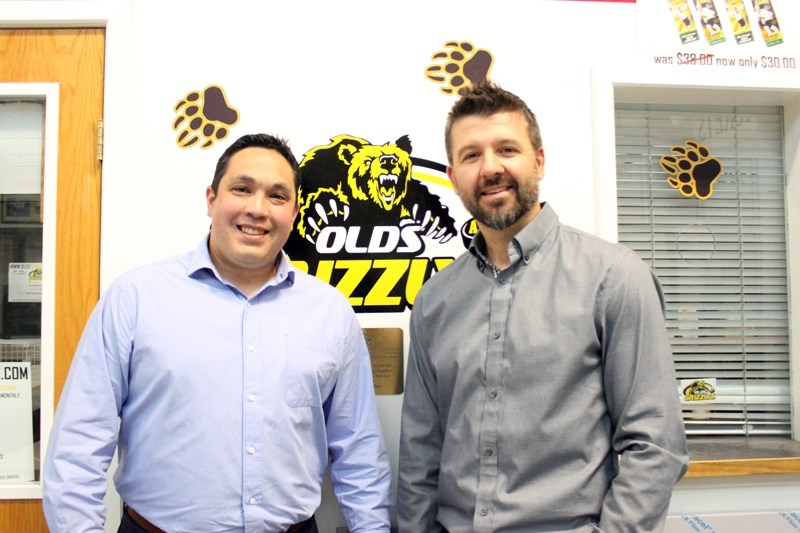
(421, 440)
(86, 425)
(360, 468)
(639, 378)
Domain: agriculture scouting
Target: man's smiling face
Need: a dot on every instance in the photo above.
(252, 214)
(496, 169)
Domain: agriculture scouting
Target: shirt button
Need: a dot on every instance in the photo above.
(249, 305)
(251, 347)
(251, 450)
(496, 334)
(251, 501)
(484, 511)
(251, 397)
(492, 393)
(487, 452)
(527, 258)
(503, 281)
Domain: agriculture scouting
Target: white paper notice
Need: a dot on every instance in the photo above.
(24, 282)
(16, 419)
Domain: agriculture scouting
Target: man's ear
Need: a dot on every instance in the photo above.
(540, 162)
(451, 178)
(210, 197)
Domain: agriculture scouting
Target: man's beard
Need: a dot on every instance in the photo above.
(498, 217)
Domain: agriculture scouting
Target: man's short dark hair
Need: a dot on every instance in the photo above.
(484, 100)
(257, 140)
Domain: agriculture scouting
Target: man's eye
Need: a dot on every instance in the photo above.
(240, 189)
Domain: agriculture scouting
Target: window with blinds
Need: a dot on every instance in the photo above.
(721, 260)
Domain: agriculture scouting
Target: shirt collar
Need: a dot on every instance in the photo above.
(525, 242)
(200, 264)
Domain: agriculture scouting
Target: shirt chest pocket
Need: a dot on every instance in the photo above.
(311, 370)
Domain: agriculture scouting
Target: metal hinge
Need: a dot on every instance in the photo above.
(100, 127)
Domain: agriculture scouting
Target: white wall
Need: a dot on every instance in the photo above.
(310, 70)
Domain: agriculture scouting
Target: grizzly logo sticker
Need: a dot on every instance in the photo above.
(698, 390)
(459, 66)
(692, 170)
(365, 221)
(203, 116)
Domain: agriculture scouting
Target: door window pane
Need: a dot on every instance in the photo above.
(21, 153)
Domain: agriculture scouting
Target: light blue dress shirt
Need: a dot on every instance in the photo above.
(225, 409)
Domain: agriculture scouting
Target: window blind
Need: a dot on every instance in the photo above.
(721, 261)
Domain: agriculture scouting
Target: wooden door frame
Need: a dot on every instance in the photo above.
(116, 17)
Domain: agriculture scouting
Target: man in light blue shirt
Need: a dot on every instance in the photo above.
(226, 378)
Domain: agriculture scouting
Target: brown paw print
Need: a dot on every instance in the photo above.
(459, 66)
(204, 116)
(692, 170)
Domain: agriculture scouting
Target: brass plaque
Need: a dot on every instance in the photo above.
(386, 354)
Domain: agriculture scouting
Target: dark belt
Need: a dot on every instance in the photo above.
(145, 524)
(142, 522)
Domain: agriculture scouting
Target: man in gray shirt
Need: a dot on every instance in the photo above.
(540, 391)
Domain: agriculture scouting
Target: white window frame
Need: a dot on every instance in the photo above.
(658, 85)
(48, 94)
(751, 366)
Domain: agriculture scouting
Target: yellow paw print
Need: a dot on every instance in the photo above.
(204, 116)
(692, 170)
(459, 66)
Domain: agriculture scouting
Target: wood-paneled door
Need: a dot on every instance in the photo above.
(74, 58)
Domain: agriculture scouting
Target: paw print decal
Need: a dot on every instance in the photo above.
(204, 116)
(458, 66)
(692, 170)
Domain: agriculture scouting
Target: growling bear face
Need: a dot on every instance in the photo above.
(379, 174)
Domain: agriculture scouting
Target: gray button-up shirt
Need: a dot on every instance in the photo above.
(524, 386)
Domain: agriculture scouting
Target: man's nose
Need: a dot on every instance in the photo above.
(492, 165)
(257, 205)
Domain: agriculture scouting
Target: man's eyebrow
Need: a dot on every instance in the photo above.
(510, 140)
(249, 180)
(499, 142)
(281, 186)
(465, 148)
(243, 178)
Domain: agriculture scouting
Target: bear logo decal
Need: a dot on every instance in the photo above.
(365, 221)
